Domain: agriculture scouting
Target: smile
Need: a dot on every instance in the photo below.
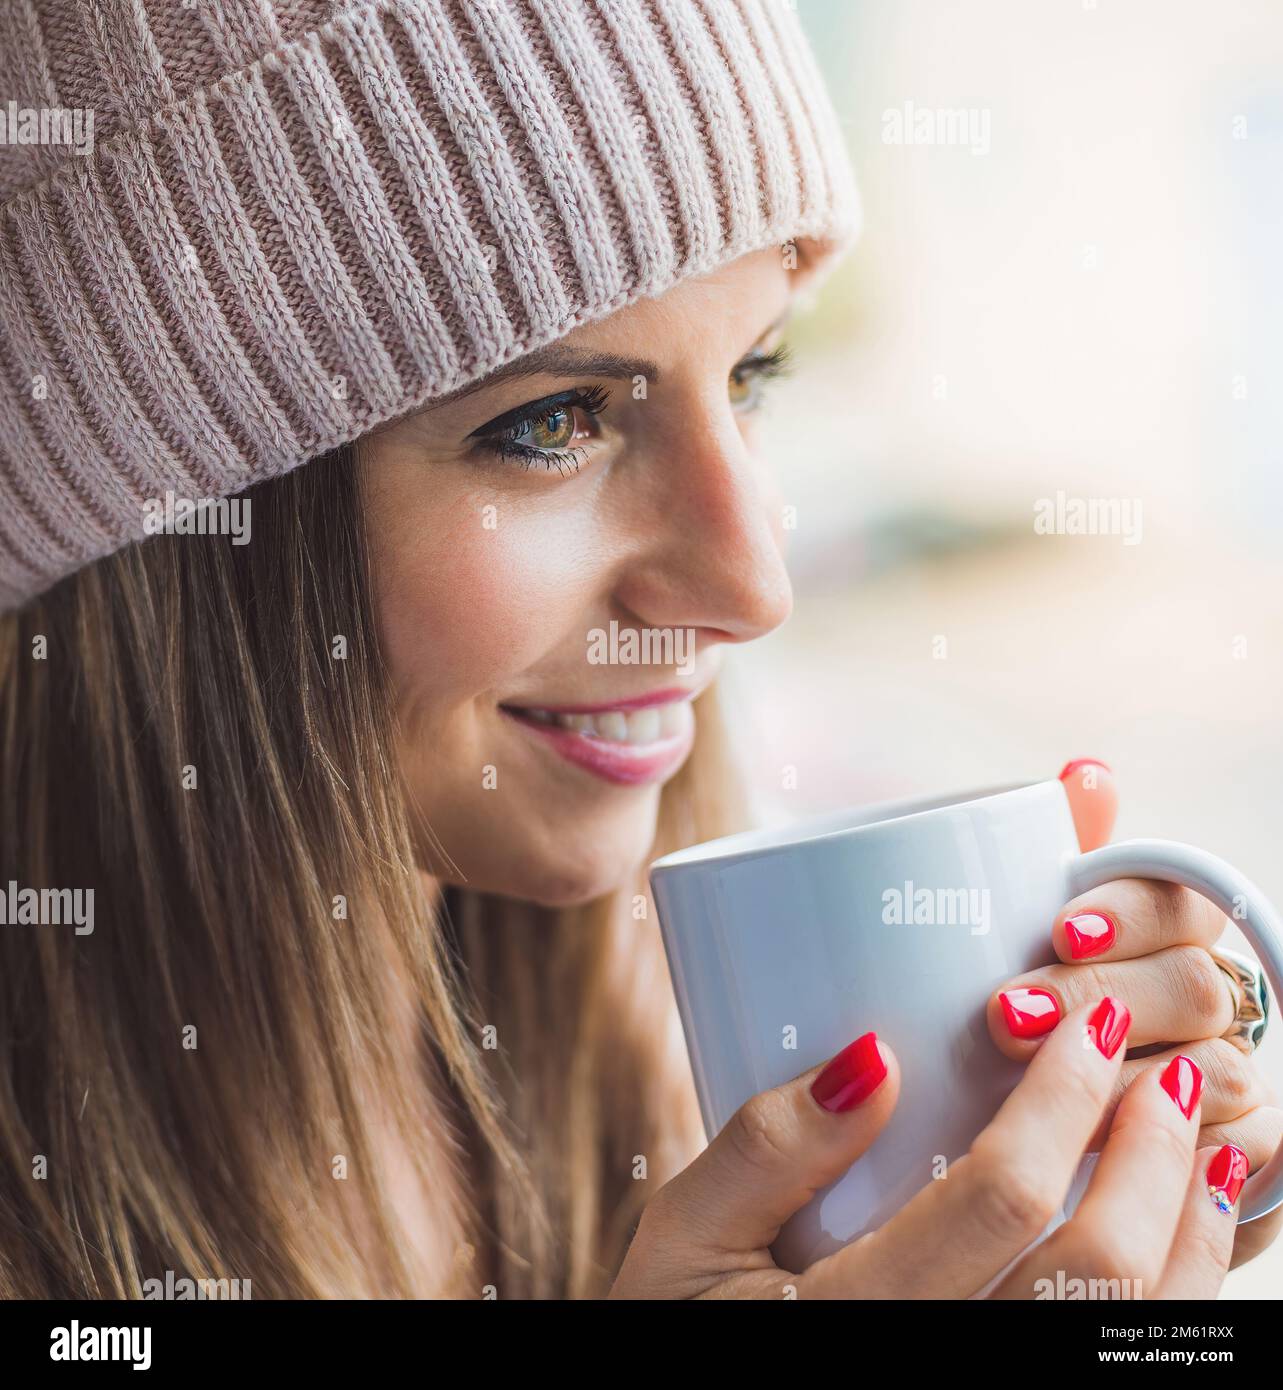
(630, 743)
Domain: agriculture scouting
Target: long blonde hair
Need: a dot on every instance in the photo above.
(199, 1084)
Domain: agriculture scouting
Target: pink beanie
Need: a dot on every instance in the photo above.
(236, 233)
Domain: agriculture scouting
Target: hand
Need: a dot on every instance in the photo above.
(1146, 1217)
(1147, 943)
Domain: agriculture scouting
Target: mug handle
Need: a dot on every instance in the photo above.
(1240, 900)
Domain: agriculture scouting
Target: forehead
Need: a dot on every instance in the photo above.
(725, 311)
(699, 325)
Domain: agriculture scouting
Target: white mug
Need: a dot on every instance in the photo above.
(900, 918)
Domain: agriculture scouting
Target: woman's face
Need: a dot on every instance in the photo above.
(560, 555)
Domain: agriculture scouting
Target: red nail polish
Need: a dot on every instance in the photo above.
(1072, 767)
(851, 1077)
(1030, 1013)
(1226, 1174)
(1108, 1024)
(1089, 933)
(1183, 1081)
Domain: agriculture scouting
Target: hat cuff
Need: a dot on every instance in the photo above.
(372, 215)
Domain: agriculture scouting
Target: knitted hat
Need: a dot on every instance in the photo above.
(236, 233)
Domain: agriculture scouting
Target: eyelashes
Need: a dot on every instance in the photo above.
(767, 365)
(524, 436)
(502, 436)
(747, 381)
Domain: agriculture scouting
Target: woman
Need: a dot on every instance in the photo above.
(372, 1003)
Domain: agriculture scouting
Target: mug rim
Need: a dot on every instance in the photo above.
(722, 851)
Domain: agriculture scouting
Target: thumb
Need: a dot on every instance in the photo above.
(1093, 800)
(782, 1146)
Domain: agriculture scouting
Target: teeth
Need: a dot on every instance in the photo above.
(612, 726)
(637, 726)
(643, 726)
(671, 719)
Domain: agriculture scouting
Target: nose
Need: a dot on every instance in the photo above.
(708, 546)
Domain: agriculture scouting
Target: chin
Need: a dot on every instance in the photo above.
(574, 881)
(573, 862)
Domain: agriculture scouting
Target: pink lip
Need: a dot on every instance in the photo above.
(656, 697)
(628, 765)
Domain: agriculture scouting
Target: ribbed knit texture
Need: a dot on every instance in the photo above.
(304, 218)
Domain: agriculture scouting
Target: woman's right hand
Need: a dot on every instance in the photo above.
(1146, 1216)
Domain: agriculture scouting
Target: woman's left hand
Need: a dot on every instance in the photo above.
(1147, 943)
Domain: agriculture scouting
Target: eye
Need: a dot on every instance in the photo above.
(745, 389)
(555, 430)
(746, 386)
(543, 433)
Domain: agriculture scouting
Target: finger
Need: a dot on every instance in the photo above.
(1258, 1134)
(1175, 995)
(1133, 917)
(775, 1153)
(1200, 1253)
(1093, 800)
(1002, 1194)
(1232, 1082)
(1124, 1225)
(1233, 1086)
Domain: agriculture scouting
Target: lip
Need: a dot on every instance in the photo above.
(654, 697)
(623, 764)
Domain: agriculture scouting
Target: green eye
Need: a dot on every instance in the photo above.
(555, 431)
(744, 389)
(746, 385)
(544, 432)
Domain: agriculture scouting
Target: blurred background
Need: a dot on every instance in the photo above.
(1073, 290)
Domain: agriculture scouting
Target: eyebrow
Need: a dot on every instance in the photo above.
(559, 361)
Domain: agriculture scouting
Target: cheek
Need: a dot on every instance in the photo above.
(502, 601)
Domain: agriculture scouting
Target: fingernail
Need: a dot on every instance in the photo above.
(1029, 1012)
(1108, 1024)
(851, 1077)
(1226, 1174)
(1089, 933)
(1072, 767)
(1183, 1081)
